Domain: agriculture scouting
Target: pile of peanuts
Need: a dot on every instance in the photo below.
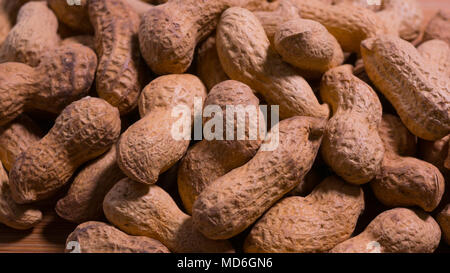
(88, 88)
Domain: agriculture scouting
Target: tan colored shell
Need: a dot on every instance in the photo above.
(414, 87)
(209, 69)
(443, 219)
(271, 20)
(98, 237)
(405, 181)
(84, 201)
(315, 223)
(405, 16)
(34, 34)
(236, 200)
(5, 22)
(169, 32)
(83, 131)
(139, 149)
(437, 52)
(120, 70)
(438, 27)
(348, 24)
(64, 75)
(12, 214)
(397, 230)
(351, 145)
(139, 6)
(148, 210)
(16, 137)
(402, 16)
(436, 152)
(308, 45)
(74, 16)
(245, 54)
(208, 160)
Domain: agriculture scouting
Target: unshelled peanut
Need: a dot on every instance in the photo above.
(147, 210)
(246, 56)
(237, 199)
(84, 130)
(397, 230)
(98, 237)
(315, 223)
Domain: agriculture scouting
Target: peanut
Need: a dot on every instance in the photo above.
(234, 201)
(315, 223)
(436, 152)
(120, 72)
(309, 46)
(169, 32)
(405, 181)
(413, 86)
(74, 16)
(147, 210)
(271, 20)
(403, 16)
(84, 130)
(245, 54)
(208, 68)
(351, 145)
(350, 25)
(98, 237)
(64, 75)
(210, 159)
(84, 201)
(34, 34)
(437, 52)
(438, 27)
(12, 214)
(443, 219)
(139, 149)
(16, 137)
(397, 230)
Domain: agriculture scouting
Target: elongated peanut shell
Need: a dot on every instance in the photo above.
(209, 69)
(413, 86)
(84, 130)
(64, 75)
(120, 70)
(245, 53)
(84, 201)
(98, 237)
(405, 181)
(315, 223)
(437, 52)
(169, 32)
(351, 145)
(348, 24)
(308, 45)
(397, 230)
(210, 159)
(12, 214)
(147, 210)
(149, 147)
(34, 34)
(234, 201)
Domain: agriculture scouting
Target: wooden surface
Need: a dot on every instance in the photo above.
(50, 235)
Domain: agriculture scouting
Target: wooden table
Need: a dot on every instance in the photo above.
(50, 235)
